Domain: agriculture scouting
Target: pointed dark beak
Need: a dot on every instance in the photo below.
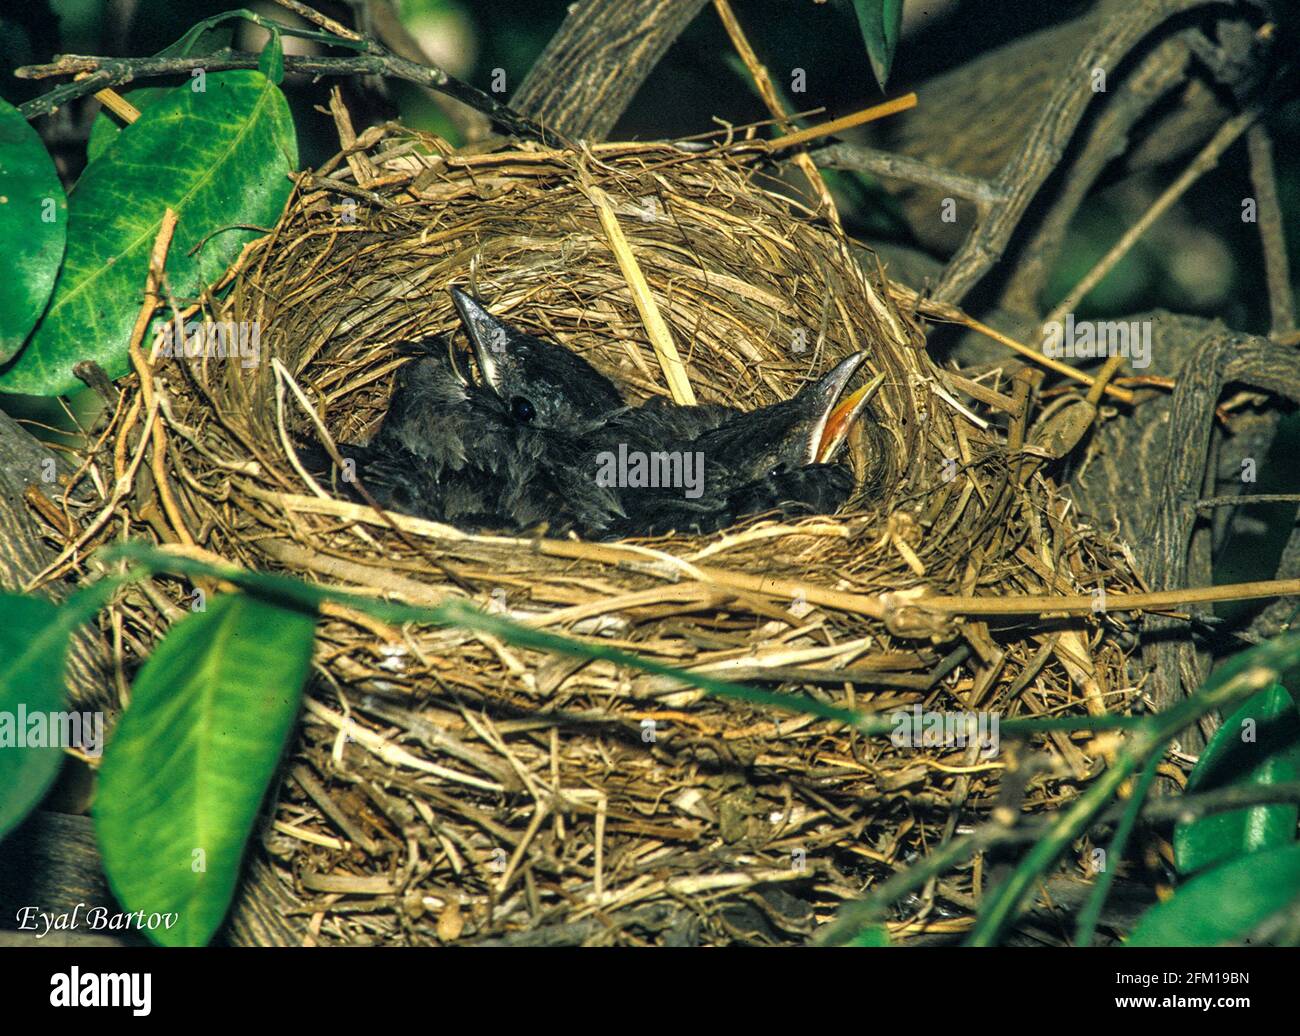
(488, 336)
(837, 413)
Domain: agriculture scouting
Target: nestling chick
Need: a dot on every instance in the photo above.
(528, 443)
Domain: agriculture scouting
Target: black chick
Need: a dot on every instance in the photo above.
(780, 458)
(542, 382)
(523, 447)
(500, 453)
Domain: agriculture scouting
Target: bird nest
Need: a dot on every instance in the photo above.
(447, 785)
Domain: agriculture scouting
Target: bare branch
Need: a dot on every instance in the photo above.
(900, 167)
(1277, 271)
(1206, 160)
(104, 72)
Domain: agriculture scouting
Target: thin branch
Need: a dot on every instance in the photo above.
(384, 23)
(1206, 160)
(767, 91)
(1182, 809)
(1268, 212)
(1245, 501)
(1115, 127)
(320, 20)
(105, 72)
(900, 167)
(1223, 800)
(859, 118)
(1082, 604)
(933, 309)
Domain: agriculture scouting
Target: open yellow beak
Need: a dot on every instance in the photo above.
(840, 421)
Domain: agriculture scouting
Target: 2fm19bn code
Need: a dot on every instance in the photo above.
(1205, 978)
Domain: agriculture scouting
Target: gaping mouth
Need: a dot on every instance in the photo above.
(838, 415)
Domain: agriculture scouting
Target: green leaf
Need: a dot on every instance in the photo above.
(1224, 904)
(219, 157)
(1271, 756)
(271, 60)
(190, 761)
(201, 39)
(105, 127)
(872, 935)
(207, 37)
(880, 21)
(33, 651)
(33, 226)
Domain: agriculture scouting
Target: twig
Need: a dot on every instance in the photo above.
(124, 470)
(1077, 604)
(1222, 800)
(106, 72)
(878, 606)
(383, 22)
(1206, 160)
(1182, 808)
(861, 159)
(1104, 376)
(1268, 213)
(1047, 142)
(1246, 500)
(825, 129)
(944, 311)
(1156, 73)
(318, 19)
(144, 370)
(767, 91)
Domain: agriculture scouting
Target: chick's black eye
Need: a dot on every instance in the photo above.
(522, 409)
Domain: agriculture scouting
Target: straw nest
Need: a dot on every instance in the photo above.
(449, 786)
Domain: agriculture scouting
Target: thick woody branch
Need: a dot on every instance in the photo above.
(596, 62)
(1024, 175)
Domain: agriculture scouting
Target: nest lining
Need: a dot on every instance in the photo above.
(462, 749)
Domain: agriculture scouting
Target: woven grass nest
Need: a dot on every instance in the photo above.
(478, 789)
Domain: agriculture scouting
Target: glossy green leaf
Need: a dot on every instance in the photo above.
(33, 226)
(1225, 904)
(271, 60)
(880, 21)
(1257, 744)
(202, 39)
(106, 126)
(189, 763)
(219, 157)
(1231, 684)
(33, 652)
